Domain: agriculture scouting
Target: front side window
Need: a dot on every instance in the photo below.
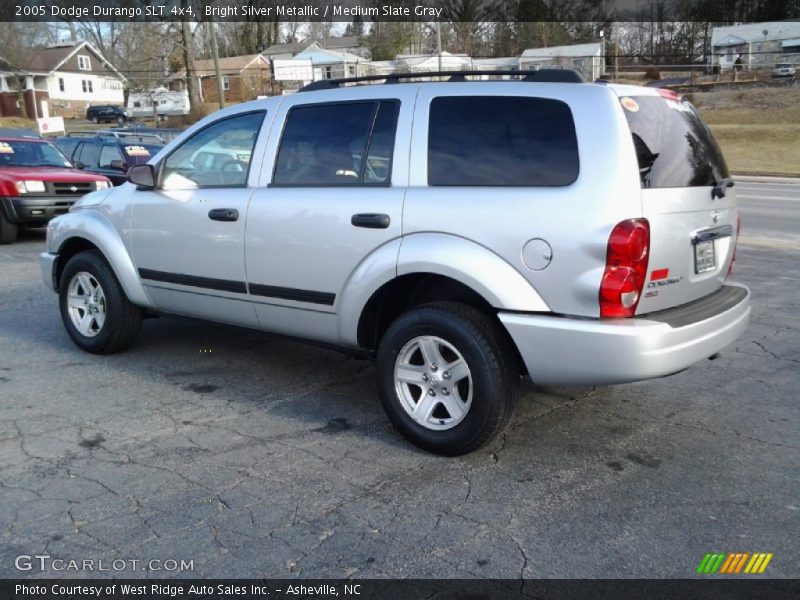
(325, 144)
(216, 156)
(109, 153)
(88, 153)
(501, 141)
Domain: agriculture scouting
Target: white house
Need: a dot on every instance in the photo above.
(759, 45)
(332, 64)
(70, 76)
(587, 59)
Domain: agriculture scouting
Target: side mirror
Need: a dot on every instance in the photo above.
(79, 165)
(142, 176)
(119, 165)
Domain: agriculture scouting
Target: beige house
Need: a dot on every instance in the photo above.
(243, 78)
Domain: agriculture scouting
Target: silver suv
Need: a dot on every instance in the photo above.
(462, 233)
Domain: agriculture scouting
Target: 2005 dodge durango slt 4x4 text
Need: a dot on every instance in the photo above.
(464, 233)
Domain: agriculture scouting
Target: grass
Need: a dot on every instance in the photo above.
(18, 123)
(758, 129)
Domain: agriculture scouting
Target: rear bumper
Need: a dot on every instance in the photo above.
(559, 350)
(35, 210)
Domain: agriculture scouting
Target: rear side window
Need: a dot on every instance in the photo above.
(326, 144)
(674, 146)
(501, 141)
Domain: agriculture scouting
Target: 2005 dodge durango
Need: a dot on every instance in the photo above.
(463, 233)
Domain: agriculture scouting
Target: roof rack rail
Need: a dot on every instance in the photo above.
(538, 76)
(118, 135)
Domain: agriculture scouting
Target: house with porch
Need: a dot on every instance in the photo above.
(61, 80)
(758, 45)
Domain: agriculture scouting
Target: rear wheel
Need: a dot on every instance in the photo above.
(447, 377)
(8, 230)
(96, 313)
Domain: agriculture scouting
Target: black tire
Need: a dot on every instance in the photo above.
(123, 320)
(8, 230)
(493, 366)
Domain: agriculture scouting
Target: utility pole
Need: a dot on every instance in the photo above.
(215, 54)
(616, 50)
(439, 43)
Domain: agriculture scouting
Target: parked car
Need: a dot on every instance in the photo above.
(37, 182)
(460, 233)
(106, 113)
(784, 70)
(109, 154)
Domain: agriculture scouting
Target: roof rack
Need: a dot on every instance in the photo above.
(139, 137)
(538, 76)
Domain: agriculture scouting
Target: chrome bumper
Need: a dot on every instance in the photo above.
(562, 351)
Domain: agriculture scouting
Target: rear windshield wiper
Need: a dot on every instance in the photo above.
(720, 186)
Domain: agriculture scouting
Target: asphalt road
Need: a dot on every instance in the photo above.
(256, 456)
(770, 213)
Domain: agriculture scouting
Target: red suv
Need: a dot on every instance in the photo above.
(37, 182)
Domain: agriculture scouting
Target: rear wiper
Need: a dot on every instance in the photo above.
(720, 187)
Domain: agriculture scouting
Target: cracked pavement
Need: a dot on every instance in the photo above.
(255, 456)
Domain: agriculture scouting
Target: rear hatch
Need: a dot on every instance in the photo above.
(692, 229)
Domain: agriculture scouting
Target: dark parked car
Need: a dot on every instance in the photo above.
(106, 113)
(109, 154)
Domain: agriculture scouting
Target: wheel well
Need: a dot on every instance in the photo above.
(69, 249)
(408, 291)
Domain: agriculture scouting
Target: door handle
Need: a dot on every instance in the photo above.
(223, 214)
(370, 220)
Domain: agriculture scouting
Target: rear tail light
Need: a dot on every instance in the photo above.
(735, 243)
(626, 268)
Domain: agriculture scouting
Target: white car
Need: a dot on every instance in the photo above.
(784, 70)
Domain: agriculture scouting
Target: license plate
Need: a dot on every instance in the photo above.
(704, 257)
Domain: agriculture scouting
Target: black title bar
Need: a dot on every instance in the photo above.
(394, 10)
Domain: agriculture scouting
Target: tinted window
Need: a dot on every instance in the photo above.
(673, 145)
(325, 144)
(501, 141)
(109, 153)
(217, 156)
(88, 153)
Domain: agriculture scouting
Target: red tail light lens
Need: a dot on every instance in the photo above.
(626, 268)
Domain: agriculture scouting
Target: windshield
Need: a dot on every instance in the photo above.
(674, 146)
(18, 153)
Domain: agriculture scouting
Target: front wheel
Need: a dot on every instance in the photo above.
(447, 377)
(96, 313)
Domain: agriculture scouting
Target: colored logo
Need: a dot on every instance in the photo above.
(734, 562)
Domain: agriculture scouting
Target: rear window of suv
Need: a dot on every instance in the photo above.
(501, 141)
(674, 146)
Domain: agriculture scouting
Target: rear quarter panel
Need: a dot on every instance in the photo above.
(575, 220)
